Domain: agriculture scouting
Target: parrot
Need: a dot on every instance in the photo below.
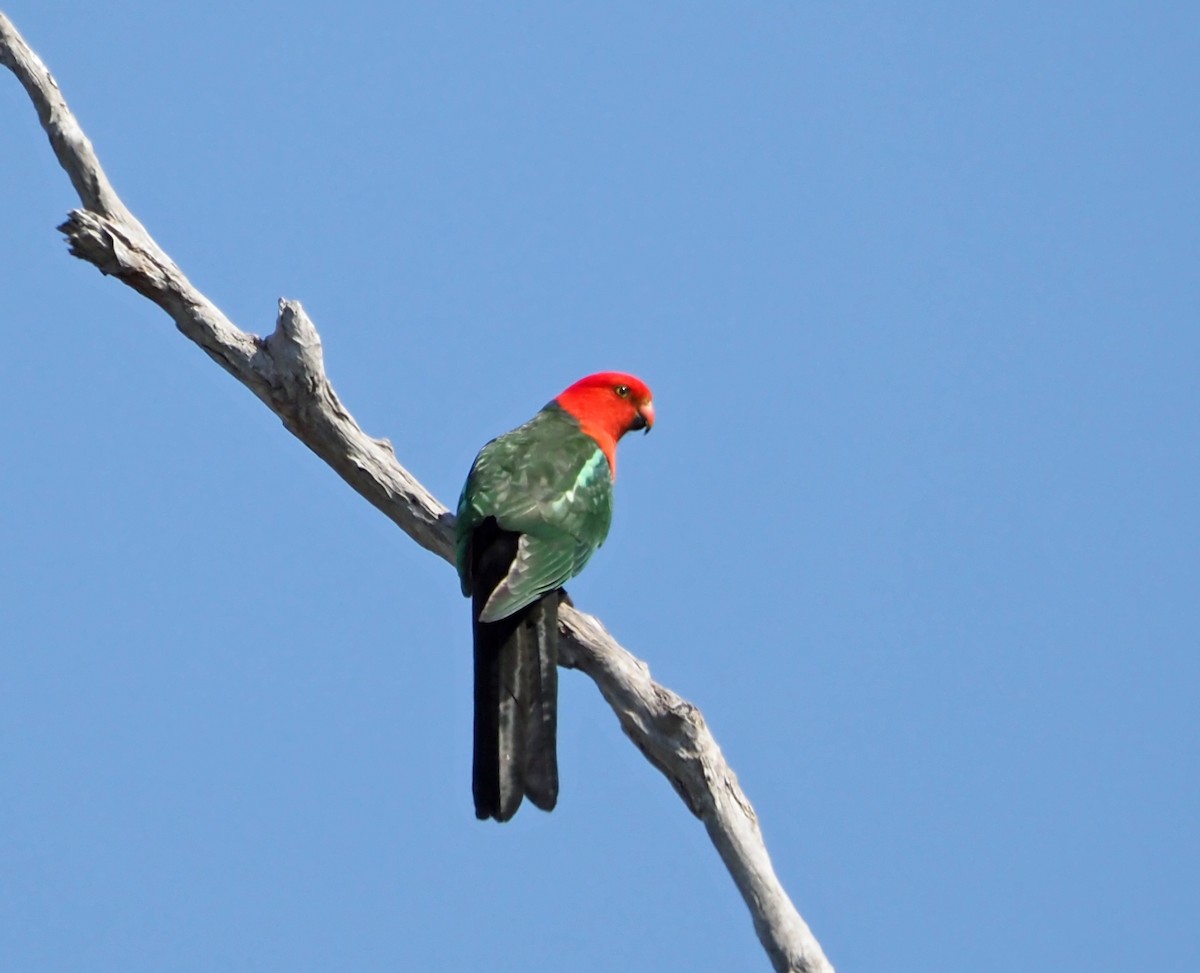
(536, 505)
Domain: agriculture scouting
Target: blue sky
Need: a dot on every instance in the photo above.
(917, 529)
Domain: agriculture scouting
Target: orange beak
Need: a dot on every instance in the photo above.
(646, 412)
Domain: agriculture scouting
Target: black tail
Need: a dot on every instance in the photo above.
(516, 689)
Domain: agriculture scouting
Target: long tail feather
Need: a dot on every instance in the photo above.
(541, 709)
(516, 690)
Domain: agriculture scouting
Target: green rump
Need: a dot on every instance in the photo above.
(549, 482)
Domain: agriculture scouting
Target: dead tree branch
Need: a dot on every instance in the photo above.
(286, 371)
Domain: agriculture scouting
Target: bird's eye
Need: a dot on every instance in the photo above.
(622, 391)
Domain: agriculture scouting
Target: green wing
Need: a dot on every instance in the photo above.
(548, 482)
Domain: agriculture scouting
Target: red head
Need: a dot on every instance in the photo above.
(608, 405)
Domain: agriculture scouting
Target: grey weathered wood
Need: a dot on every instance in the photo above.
(286, 371)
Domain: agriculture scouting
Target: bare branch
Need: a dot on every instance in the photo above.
(286, 371)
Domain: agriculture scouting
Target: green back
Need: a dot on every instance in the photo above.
(550, 482)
